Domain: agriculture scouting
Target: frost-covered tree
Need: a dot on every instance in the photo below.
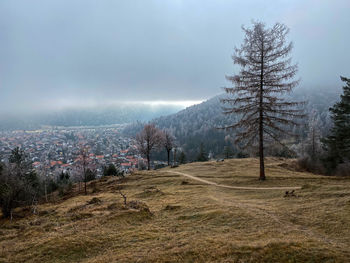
(313, 144)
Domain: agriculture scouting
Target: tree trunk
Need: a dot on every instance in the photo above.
(148, 162)
(261, 128)
(168, 157)
(45, 191)
(6, 213)
(175, 157)
(7, 210)
(313, 145)
(261, 149)
(85, 181)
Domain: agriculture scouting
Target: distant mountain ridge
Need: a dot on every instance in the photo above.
(87, 117)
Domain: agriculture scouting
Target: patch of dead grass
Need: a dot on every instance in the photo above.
(190, 222)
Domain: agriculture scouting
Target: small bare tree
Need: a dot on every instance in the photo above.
(84, 156)
(266, 74)
(124, 197)
(313, 140)
(168, 142)
(147, 140)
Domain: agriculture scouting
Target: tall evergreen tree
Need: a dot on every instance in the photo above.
(182, 157)
(337, 144)
(202, 155)
(266, 74)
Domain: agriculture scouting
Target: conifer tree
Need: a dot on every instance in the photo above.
(266, 73)
(337, 144)
(182, 158)
(202, 155)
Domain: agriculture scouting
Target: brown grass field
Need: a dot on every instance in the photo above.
(190, 221)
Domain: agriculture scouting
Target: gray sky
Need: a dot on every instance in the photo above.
(64, 52)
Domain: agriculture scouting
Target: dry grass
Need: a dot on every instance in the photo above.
(191, 222)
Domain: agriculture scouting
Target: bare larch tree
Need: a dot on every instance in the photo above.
(266, 73)
(147, 140)
(168, 142)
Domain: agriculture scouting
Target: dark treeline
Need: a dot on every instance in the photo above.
(21, 185)
(330, 154)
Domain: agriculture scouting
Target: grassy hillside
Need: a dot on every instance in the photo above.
(178, 219)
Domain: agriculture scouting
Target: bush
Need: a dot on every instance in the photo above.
(159, 166)
(90, 175)
(312, 166)
(241, 154)
(318, 166)
(112, 170)
(64, 189)
(64, 177)
(277, 150)
(51, 185)
(343, 169)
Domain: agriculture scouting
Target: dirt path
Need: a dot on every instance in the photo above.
(234, 187)
(256, 209)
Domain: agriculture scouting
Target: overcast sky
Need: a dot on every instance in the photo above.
(63, 52)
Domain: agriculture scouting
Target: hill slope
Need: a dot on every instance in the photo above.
(198, 124)
(176, 219)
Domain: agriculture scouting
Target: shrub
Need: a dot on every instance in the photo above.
(112, 170)
(241, 154)
(64, 189)
(343, 169)
(90, 175)
(312, 166)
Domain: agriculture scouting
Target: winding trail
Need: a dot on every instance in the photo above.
(235, 187)
(259, 209)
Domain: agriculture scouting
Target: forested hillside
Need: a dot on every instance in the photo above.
(199, 123)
